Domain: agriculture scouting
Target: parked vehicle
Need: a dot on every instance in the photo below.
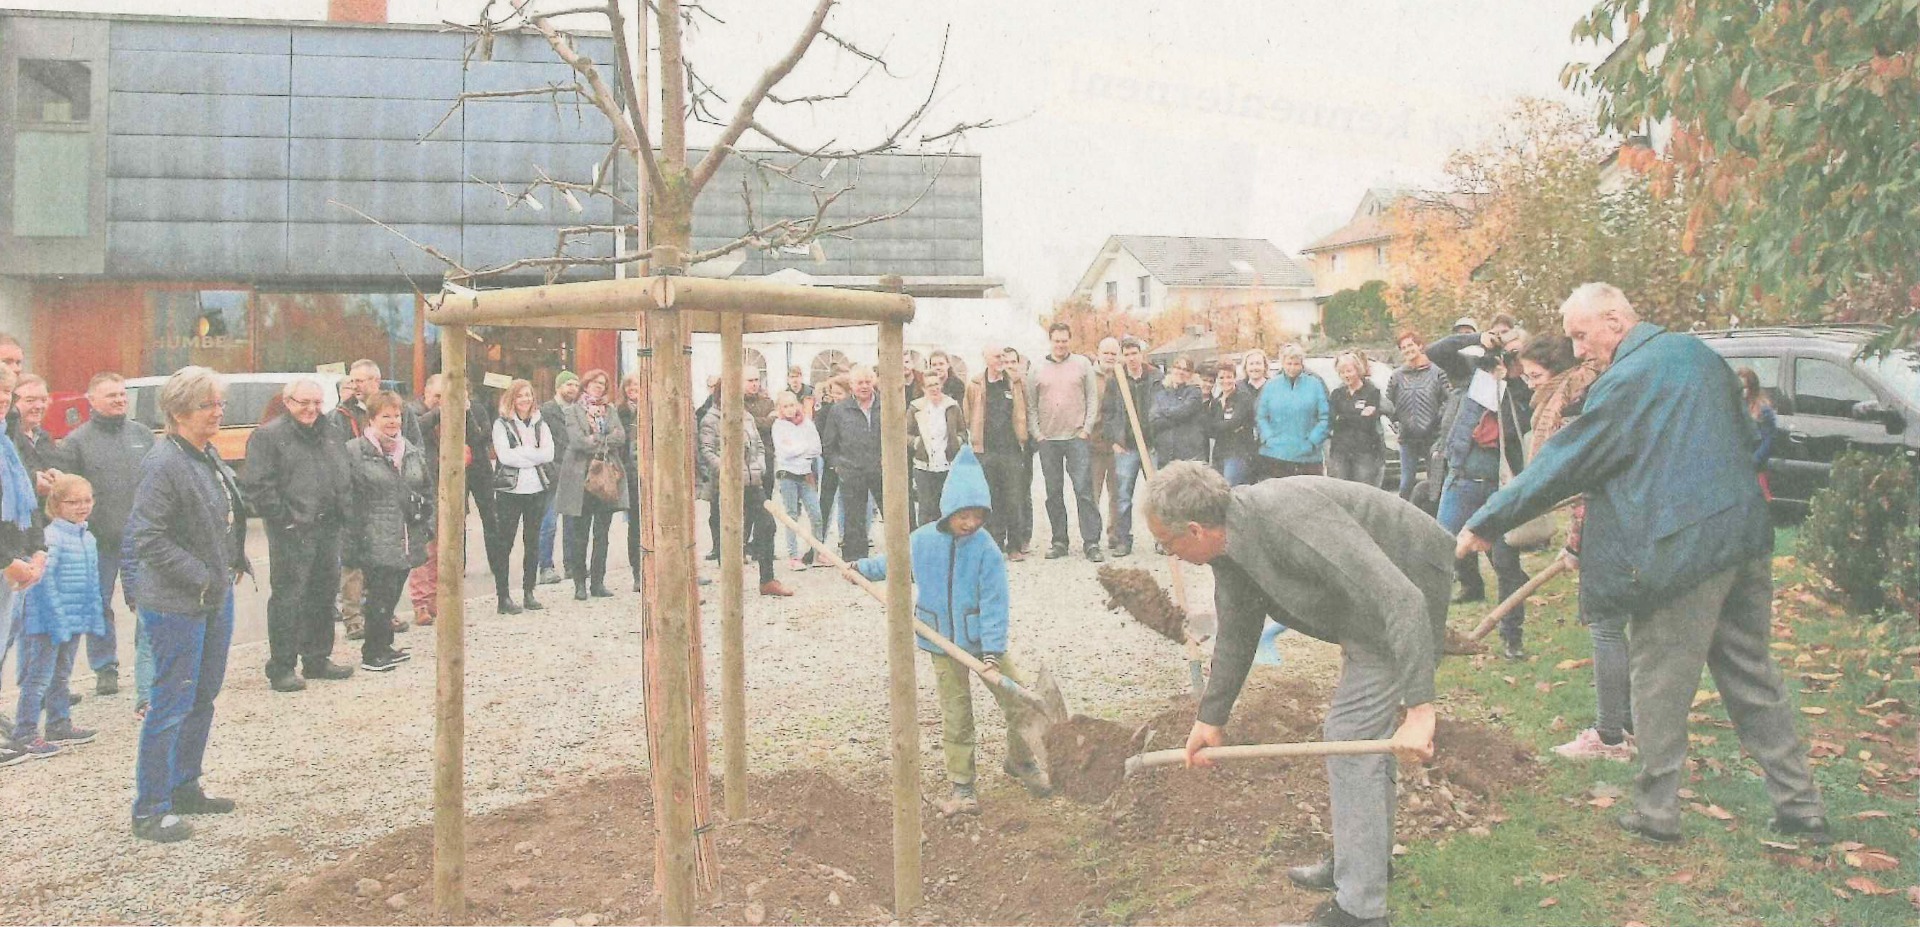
(252, 400)
(1829, 398)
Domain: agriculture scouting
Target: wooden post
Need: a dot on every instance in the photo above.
(732, 501)
(902, 692)
(450, 663)
(679, 609)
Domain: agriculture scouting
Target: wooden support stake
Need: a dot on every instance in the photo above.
(450, 653)
(679, 610)
(732, 502)
(901, 689)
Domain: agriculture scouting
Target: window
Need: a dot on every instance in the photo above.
(1146, 292)
(1333, 261)
(51, 150)
(55, 91)
(1380, 255)
(1826, 388)
(824, 363)
(1113, 293)
(1767, 369)
(210, 328)
(300, 331)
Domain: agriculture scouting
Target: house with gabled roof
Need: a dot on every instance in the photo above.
(1153, 273)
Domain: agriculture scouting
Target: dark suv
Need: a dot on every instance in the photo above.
(1828, 398)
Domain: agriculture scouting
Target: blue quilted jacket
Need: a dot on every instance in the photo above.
(66, 602)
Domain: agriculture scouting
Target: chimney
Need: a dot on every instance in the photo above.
(357, 11)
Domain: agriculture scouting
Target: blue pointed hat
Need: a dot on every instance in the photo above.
(966, 485)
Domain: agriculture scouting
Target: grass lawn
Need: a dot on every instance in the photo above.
(1559, 858)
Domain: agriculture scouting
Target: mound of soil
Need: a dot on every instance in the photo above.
(1166, 846)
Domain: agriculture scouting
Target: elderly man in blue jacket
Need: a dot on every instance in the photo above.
(1677, 537)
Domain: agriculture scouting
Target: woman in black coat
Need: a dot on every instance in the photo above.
(389, 523)
(1230, 425)
(631, 396)
(1356, 449)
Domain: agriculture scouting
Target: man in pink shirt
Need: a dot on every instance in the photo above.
(1063, 405)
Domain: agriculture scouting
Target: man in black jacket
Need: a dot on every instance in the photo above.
(1142, 381)
(566, 389)
(107, 449)
(296, 480)
(855, 454)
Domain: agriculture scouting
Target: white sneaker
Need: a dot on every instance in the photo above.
(1588, 746)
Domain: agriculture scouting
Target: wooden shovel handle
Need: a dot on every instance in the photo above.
(992, 676)
(1261, 751)
(1147, 467)
(1557, 567)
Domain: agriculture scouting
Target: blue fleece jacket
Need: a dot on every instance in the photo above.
(1292, 418)
(960, 583)
(66, 602)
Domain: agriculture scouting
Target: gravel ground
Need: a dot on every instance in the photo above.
(551, 697)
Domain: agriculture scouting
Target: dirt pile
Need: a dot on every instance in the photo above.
(1136, 592)
(1166, 846)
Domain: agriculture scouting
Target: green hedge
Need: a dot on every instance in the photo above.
(1863, 532)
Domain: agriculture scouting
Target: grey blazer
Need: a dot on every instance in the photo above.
(1338, 561)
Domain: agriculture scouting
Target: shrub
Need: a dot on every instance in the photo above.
(1861, 531)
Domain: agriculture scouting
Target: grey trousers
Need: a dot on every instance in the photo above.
(1366, 706)
(1724, 625)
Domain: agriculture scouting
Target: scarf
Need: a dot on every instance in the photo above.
(17, 497)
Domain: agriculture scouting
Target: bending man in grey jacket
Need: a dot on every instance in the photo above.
(1348, 564)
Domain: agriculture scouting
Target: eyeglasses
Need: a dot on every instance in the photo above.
(213, 404)
(304, 403)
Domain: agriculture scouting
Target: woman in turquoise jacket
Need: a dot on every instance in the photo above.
(1291, 420)
(960, 589)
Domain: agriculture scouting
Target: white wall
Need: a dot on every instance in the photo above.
(1126, 271)
(16, 313)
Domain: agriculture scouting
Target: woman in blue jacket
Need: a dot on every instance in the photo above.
(960, 589)
(1292, 420)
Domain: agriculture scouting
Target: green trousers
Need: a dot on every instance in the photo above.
(955, 684)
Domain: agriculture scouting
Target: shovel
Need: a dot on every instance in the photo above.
(1044, 694)
(1260, 751)
(1196, 674)
(1557, 567)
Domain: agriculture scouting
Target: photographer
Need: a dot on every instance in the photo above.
(389, 523)
(1494, 411)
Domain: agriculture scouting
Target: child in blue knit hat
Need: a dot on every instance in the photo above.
(960, 589)
(58, 611)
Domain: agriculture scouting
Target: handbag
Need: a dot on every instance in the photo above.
(604, 478)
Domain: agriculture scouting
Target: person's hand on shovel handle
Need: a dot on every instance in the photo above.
(1413, 742)
(1204, 735)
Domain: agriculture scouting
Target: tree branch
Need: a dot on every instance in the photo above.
(743, 114)
(631, 133)
(553, 90)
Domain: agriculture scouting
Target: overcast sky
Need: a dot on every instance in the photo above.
(1255, 118)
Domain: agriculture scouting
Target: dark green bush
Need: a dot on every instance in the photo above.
(1861, 531)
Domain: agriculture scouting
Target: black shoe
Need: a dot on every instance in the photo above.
(327, 669)
(1094, 555)
(381, 662)
(1123, 549)
(73, 698)
(600, 591)
(1463, 596)
(530, 603)
(1056, 551)
(715, 556)
(106, 681)
(1314, 877)
(1813, 828)
(507, 607)
(1511, 650)
(580, 590)
(11, 754)
(1633, 822)
(162, 828)
(1330, 914)
(189, 799)
(287, 682)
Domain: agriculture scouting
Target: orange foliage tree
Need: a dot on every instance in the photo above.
(1235, 328)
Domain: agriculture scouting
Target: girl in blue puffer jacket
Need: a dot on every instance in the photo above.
(58, 611)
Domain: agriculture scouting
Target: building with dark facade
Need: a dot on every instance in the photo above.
(174, 191)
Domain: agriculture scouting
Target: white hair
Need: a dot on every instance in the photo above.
(1188, 492)
(1598, 298)
(1292, 350)
(287, 391)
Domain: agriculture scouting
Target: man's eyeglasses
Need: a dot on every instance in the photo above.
(304, 403)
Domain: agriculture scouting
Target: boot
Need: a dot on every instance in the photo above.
(580, 589)
(528, 602)
(774, 587)
(600, 590)
(962, 800)
(506, 605)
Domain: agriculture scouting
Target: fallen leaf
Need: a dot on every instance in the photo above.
(1777, 845)
(1550, 879)
(1845, 845)
(1549, 902)
(1839, 893)
(1703, 696)
(1822, 748)
(1869, 815)
(1573, 664)
(1913, 895)
(1688, 794)
(1604, 801)
(1713, 811)
(1509, 680)
(1866, 886)
(1872, 860)
(1543, 687)
(1812, 710)
(1684, 877)
(1636, 924)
